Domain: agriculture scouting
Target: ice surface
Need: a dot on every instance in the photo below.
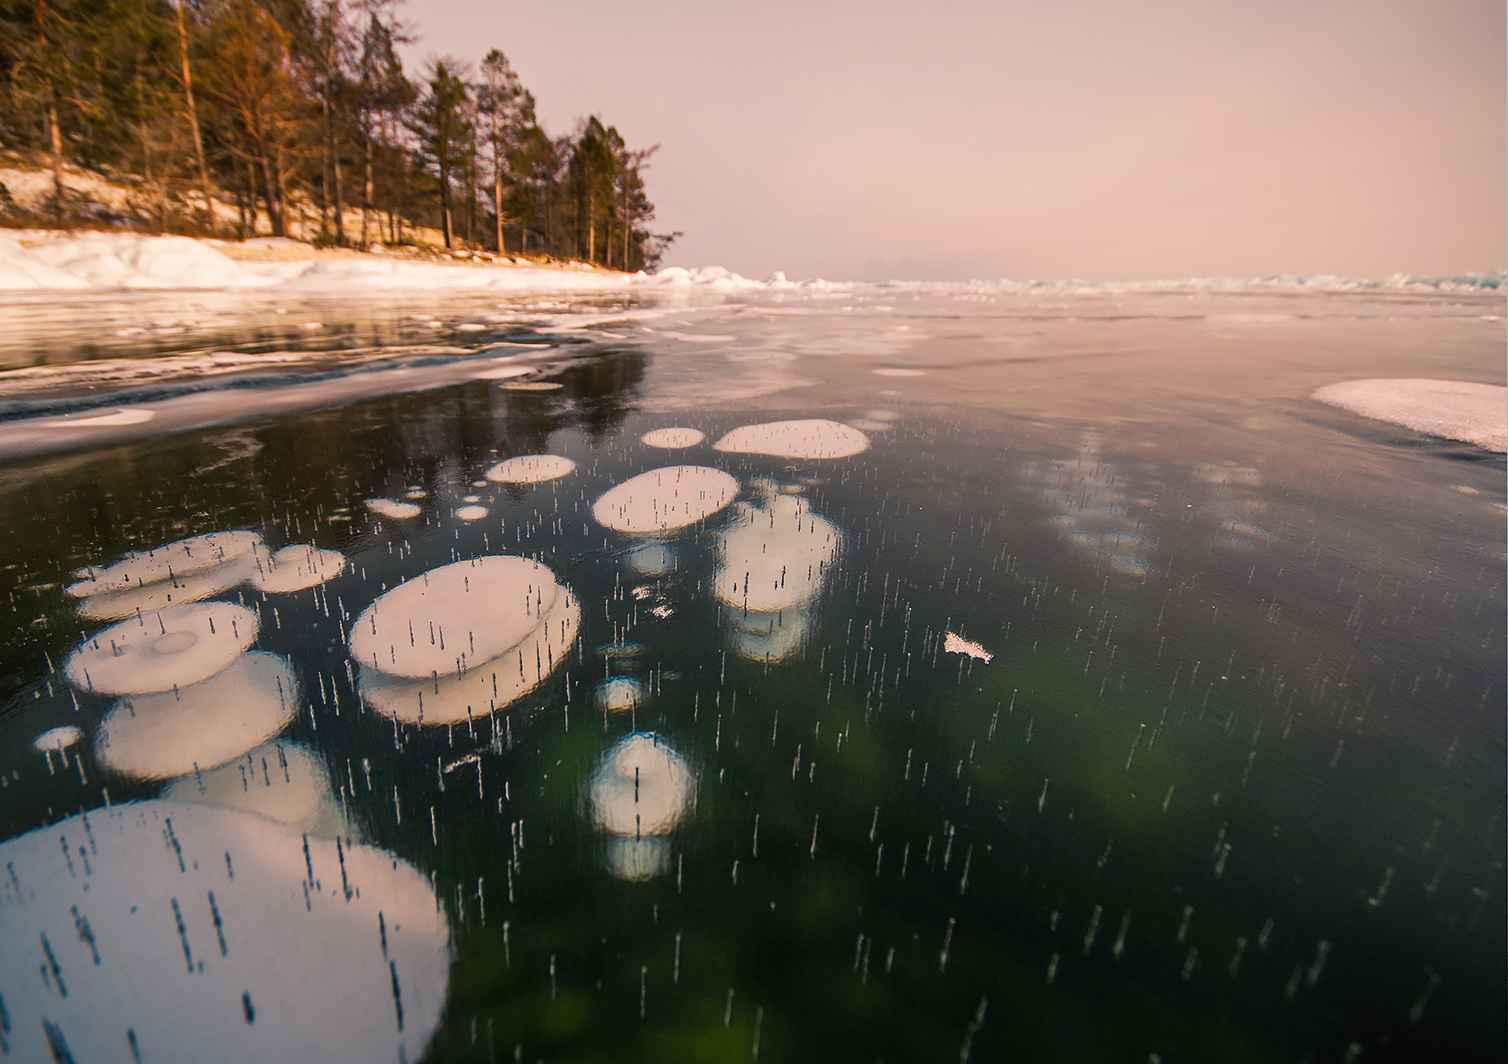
(201, 725)
(1456, 410)
(163, 649)
(454, 617)
(663, 499)
(812, 438)
(278, 931)
(530, 469)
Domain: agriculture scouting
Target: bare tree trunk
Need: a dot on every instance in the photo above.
(366, 184)
(497, 204)
(340, 216)
(193, 118)
(55, 143)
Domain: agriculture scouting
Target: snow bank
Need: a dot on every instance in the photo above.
(1456, 410)
(49, 261)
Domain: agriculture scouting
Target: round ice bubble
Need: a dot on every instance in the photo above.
(275, 927)
(182, 558)
(171, 733)
(672, 438)
(453, 617)
(163, 649)
(812, 438)
(663, 499)
(530, 469)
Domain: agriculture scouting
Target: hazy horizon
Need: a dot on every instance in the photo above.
(1107, 141)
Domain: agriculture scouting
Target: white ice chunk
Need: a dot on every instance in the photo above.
(813, 438)
(454, 617)
(195, 587)
(663, 499)
(672, 438)
(954, 643)
(1456, 410)
(201, 725)
(163, 649)
(210, 933)
(531, 469)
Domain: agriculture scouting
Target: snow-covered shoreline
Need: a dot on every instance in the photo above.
(42, 261)
(34, 261)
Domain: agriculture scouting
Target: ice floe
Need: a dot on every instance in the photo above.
(531, 469)
(672, 438)
(664, 499)
(1456, 410)
(163, 649)
(811, 438)
(200, 725)
(293, 944)
(454, 617)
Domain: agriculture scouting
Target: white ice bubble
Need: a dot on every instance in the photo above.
(392, 509)
(283, 781)
(485, 688)
(897, 371)
(638, 859)
(774, 557)
(651, 558)
(297, 567)
(813, 438)
(672, 438)
(182, 558)
(163, 649)
(1456, 410)
(60, 738)
(213, 933)
(663, 499)
(195, 587)
(642, 786)
(471, 513)
(201, 725)
(531, 469)
(620, 694)
(454, 617)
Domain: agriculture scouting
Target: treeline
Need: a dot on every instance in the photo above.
(287, 106)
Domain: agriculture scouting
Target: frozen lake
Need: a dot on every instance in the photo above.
(1093, 693)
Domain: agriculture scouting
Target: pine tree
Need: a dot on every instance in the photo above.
(439, 121)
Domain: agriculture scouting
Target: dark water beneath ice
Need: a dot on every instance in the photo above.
(1230, 786)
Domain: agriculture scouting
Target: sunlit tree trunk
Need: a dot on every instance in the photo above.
(193, 117)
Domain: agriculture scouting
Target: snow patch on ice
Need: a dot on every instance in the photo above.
(1456, 410)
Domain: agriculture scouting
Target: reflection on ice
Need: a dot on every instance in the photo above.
(1092, 508)
(283, 781)
(161, 650)
(641, 788)
(165, 931)
(183, 558)
(620, 694)
(651, 558)
(201, 725)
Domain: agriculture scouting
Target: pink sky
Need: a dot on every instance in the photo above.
(1035, 139)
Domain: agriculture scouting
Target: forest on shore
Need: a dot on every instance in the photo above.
(283, 108)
